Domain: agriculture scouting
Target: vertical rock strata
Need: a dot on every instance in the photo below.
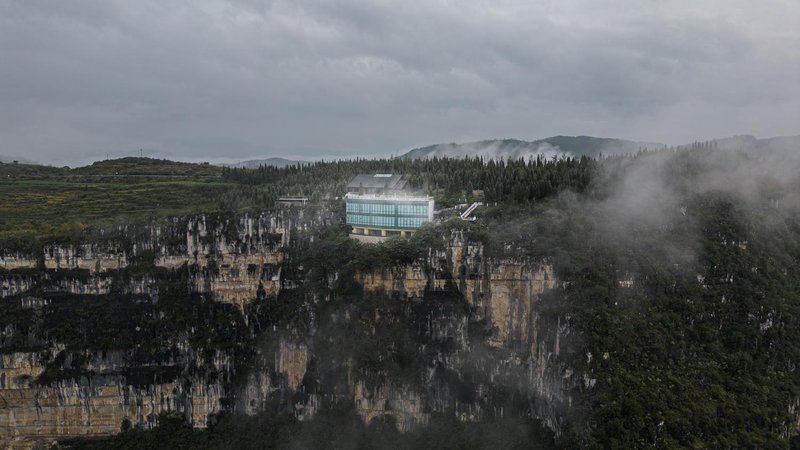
(497, 347)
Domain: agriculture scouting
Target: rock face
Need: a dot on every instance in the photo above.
(464, 326)
(403, 403)
(411, 281)
(84, 257)
(474, 318)
(232, 259)
(292, 363)
(231, 262)
(16, 261)
(17, 370)
(101, 405)
(93, 409)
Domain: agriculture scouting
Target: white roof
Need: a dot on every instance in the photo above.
(391, 197)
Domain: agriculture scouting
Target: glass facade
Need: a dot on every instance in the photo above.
(388, 213)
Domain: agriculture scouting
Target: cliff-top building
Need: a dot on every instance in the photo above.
(381, 206)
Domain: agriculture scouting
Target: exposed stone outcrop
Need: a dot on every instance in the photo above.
(292, 361)
(17, 261)
(794, 428)
(17, 370)
(91, 406)
(234, 262)
(99, 407)
(401, 402)
(502, 293)
(239, 262)
(411, 280)
(84, 257)
(15, 284)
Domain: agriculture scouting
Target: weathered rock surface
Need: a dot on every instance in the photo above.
(514, 355)
(515, 349)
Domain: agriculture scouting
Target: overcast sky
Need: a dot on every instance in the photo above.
(201, 79)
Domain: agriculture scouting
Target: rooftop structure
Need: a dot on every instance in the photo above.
(379, 183)
(292, 201)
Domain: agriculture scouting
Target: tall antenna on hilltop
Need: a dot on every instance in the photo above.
(140, 153)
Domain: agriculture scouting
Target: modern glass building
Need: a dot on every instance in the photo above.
(386, 214)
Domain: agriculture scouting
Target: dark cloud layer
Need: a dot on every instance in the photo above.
(245, 78)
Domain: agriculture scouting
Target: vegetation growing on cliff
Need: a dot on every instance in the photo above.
(679, 289)
(683, 289)
(152, 334)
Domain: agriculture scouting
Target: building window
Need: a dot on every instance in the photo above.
(386, 214)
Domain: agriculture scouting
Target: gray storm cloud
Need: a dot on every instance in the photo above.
(251, 78)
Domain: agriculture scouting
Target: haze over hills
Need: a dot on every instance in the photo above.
(506, 149)
(11, 159)
(255, 163)
(579, 146)
(548, 147)
(744, 142)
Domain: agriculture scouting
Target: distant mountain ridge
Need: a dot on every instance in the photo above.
(505, 149)
(577, 146)
(745, 142)
(255, 163)
(548, 147)
(10, 159)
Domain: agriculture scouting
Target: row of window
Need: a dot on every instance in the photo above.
(385, 221)
(410, 222)
(403, 209)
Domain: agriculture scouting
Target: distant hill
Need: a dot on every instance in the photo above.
(748, 142)
(20, 169)
(516, 149)
(130, 166)
(147, 167)
(12, 159)
(255, 163)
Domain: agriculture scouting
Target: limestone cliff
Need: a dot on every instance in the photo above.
(33, 411)
(474, 358)
(50, 392)
(457, 332)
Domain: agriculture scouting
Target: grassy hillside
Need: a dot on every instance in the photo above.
(147, 166)
(42, 201)
(9, 170)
